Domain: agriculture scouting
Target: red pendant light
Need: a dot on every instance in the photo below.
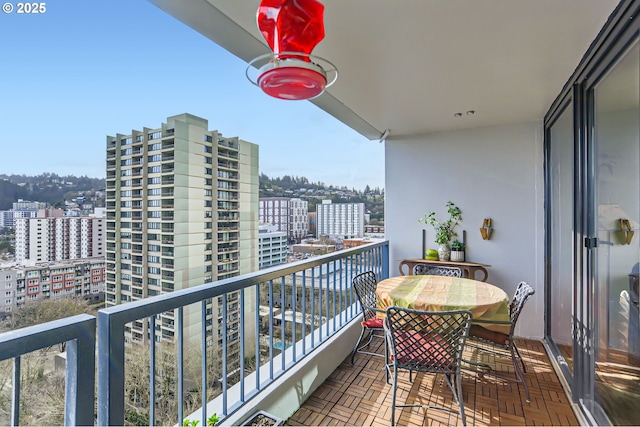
(292, 29)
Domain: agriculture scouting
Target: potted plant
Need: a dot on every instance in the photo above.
(444, 229)
(457, 251)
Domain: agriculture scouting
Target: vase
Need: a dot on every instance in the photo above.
(444, 252)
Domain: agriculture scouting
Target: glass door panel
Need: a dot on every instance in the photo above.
(617, 216)
(561, 279)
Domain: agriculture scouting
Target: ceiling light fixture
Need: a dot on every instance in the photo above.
(292, 29)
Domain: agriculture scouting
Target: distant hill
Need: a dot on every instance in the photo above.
(54, 190)
(48, 187)
(315, 192)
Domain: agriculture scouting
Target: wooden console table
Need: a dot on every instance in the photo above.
(468, 268)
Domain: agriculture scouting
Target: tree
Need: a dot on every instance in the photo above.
(45, 310)
(137, 388)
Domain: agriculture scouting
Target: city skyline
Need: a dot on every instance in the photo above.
(81, 70)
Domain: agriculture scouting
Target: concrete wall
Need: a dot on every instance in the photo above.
(494, 172)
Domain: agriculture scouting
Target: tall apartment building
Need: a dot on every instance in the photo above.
(344, 220)
(71, 278)
(299, 219)
(52, 237)
(182, 205)
(272, 246)
(287, 214)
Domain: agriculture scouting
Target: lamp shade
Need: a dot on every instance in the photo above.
(292, 29)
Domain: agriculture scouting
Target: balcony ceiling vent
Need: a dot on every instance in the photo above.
(292, 29)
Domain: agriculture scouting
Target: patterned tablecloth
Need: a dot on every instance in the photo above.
(439, 293)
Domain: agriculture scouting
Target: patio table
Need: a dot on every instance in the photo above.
(440, 293)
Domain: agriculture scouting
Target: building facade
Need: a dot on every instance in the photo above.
(299, 219)
(73, 278)
(182, 206)
(286, 214)
(272, 246)
(345, 220)
(52, 237)
(6, 219)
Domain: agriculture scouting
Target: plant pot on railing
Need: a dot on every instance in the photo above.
(262, 418)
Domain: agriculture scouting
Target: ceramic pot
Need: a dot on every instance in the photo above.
(444, 252)
(457, 256)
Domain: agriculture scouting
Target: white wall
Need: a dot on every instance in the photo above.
(494, 172)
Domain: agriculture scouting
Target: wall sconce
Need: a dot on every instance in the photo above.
(626, 231)
(486, 229)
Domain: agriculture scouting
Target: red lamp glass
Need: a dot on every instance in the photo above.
(292, 29)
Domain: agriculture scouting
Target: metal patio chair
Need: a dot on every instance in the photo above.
(437, 270)
(365, 286)
(429, 342)
(497, 343)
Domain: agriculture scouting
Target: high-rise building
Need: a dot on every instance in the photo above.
(182, 211)
(345, 220)
(286, 214)
(277, 212)
(52, 237)
(299, 219)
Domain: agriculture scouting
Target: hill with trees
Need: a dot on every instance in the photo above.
(315, 192)
(55, 190)
(47, 187)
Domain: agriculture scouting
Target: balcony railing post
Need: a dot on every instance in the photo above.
(79, 334)
(385, 262)
(15, 392)
(110, 371)
(80, 386)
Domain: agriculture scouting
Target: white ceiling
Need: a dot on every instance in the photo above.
(409, 65)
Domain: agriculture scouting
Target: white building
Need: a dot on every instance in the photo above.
(341, 219)
(52, 237)
(272, 246)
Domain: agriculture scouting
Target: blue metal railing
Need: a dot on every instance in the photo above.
(314, 297)
(327, 301)
(78, 332)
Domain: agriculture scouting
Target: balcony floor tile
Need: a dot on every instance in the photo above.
(359, 395)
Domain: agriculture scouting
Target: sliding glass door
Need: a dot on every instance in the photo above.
(560, 217)
(592, 233)
(615, 208)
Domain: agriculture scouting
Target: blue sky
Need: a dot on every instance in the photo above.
(85, 69)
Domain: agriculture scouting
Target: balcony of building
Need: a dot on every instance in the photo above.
(310, 382)
(469, 114)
